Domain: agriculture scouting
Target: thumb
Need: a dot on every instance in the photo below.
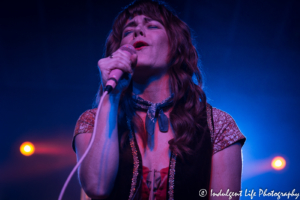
(133, 59)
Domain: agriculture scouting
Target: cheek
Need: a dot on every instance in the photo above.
(122, 42)
(125, 40)
(164, 41)
(164, 46)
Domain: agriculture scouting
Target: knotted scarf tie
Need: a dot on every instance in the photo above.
(154, 112)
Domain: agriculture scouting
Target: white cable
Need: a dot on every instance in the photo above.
(86, 151)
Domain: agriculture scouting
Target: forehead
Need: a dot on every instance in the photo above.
(140, 18)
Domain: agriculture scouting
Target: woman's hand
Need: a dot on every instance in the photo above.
(122, 60)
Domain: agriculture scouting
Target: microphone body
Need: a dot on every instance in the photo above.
(116, 74)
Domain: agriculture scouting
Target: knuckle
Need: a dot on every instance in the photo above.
(119, 65)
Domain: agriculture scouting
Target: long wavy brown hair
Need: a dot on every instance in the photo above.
(189, 107)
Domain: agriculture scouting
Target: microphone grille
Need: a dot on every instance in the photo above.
(129, 48)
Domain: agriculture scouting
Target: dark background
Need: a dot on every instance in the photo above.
(48, 56)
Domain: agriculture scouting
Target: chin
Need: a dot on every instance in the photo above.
(142, 68)
(143, 73)
(143, 64)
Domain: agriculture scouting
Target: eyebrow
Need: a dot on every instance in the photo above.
(133, 23)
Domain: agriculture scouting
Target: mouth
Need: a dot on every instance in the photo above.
(140, 45)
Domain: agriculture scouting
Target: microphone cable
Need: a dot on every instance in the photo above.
(113, 81)
(86, 151)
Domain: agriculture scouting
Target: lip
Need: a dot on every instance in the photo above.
(138, 45)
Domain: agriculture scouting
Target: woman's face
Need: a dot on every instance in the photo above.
(150, 40)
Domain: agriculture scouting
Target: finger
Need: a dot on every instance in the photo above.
(123, 65)
(121, 55)
(119, 60)
(125, 53)
(124, 58)
(108, 64)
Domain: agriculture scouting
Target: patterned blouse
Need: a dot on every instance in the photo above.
(225, 133)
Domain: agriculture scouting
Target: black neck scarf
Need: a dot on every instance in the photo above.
(154, 112)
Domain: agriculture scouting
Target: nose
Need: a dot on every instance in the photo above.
(139, 31)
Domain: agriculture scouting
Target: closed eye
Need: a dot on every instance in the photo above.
(127, 33)
(152, 27)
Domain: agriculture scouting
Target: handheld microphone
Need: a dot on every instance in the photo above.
(116, 74)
